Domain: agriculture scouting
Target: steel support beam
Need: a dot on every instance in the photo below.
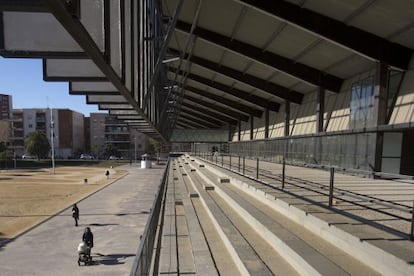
(291, 67)
(230, 113)
(380, 110)
(357, 40)
(81, 36)
(23, 5)
(274, 106)
(287, 118)
(239, 130)
(210, 113)
(239, 106)
(266, 123)
(198, 121)
(242, 77)
(320, 109)
(201, 116)
(251, 127)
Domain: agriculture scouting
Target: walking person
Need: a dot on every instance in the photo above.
(75, 213)
(87, 238)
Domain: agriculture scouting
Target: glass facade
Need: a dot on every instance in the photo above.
(352, 149)
(342, 150)
(361, 103)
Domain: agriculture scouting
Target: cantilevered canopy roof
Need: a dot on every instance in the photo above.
(208, 64)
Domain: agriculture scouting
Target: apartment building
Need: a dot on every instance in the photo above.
(66, 125)
(5, 106)
(108, 131)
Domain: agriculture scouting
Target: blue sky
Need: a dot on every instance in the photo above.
(23, 79)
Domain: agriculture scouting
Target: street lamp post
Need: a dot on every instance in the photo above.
(135, 149)
(52, 136)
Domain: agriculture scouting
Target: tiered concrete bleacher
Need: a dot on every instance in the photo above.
(183, 234)
(264, 231)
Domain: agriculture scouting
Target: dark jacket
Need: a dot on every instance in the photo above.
(75, 212)
(88, 238)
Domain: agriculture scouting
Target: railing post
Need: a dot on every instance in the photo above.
(230, 162)
(331, 186)
(283, 173)
(222, 160)
(244, 163)
(412, 223)
(239, 164)
(257, 168)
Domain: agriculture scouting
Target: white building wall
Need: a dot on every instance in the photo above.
(29, 121)
(404, 106)
(337, 111)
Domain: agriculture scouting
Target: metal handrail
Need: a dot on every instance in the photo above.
(335, 192)
(142, 261)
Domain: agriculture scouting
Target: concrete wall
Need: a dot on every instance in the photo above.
(337, 111)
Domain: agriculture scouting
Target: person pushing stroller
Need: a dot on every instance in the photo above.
(84, 248)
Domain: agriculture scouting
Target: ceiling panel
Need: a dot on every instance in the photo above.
(178, 40)
(261, 71)
(254, 28)
(226, 81)
(106, 99)
(337, 9)
(405, 37)
(187, 11)
(115, 106)
(195, 69)
(71, 68)
(352, 66)
(235, 61)
(324, 54)
(207, 50)
(291, 42)
(385, 17)
(36, 32)
(284, 80)
(225, 17)
(92, 86)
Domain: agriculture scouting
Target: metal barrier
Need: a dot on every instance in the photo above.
(332, 189)
(142, 262)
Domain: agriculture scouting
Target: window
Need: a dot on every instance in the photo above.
(361, 103)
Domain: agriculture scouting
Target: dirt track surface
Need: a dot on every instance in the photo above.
(30, 196)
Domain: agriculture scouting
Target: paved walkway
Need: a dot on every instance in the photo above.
(116, 215)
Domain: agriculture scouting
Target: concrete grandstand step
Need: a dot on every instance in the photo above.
(358, 238)
(168, 263)
(194, 253)
(303, 257)
(248, 261)
(209, 236)
(322, 256)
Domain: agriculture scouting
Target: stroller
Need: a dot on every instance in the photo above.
(84, 253)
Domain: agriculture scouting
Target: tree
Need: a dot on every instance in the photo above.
(98, 151)
(109, 150)
(37, 144)
(3, 146)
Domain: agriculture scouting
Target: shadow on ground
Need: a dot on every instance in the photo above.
(111, 259)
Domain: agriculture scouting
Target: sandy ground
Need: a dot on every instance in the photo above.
(29, 196)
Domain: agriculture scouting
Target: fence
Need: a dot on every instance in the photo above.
(144, 256)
